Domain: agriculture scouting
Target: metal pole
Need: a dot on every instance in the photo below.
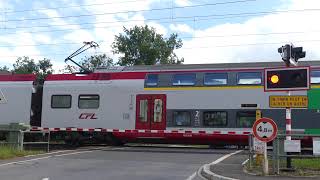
(265, 160)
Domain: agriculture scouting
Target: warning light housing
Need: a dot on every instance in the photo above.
(287, 79)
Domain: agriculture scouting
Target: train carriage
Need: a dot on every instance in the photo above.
(205, 103)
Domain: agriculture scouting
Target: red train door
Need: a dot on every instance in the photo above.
(151, 111)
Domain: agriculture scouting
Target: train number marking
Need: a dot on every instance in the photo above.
(88, 116)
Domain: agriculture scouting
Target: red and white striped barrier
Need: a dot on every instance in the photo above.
(215, 132)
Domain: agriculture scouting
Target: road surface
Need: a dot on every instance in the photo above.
(114, 163)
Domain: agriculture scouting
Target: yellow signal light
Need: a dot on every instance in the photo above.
(274, 79)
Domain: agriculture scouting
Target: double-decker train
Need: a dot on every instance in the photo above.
(194, 103)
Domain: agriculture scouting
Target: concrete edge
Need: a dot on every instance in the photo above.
(208, 174)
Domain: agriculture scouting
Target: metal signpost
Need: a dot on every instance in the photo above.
(265, 130)
(288, 79)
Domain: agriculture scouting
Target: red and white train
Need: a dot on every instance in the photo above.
(200, 104)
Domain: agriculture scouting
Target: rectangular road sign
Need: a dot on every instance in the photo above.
(288, 101)
(292, 146)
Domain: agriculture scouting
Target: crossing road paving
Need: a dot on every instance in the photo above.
(114, 163)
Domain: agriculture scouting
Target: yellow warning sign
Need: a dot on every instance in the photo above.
(288, 101)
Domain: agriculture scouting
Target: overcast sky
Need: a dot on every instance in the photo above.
(213, 31)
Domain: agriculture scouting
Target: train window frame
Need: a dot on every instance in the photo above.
(183, 125)
(94, 99)
(208, 84)
(312, 77)
(221, 125)
(61, 107)
(243, 112)
(249, 72)
(152, 84)
(194, 79)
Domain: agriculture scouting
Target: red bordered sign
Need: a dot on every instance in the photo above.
(265, 129)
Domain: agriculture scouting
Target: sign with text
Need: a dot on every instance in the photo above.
(316, 146)
(288, 101)
(258, 146)
(292, 146)
(265, 129)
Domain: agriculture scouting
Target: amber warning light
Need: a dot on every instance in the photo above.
(274, 79)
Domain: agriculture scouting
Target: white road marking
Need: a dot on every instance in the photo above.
(206, 167)
(192, 176)
(55, 152)
(45, 178)
(45, 157)
(21, 162)
(80, 152)
(225, 157)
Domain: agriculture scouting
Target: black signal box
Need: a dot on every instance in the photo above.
(287, 79)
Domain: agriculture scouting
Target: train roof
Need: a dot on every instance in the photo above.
(172, 67)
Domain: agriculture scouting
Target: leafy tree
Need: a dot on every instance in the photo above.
(45, 68)
(69, 69)
(143, 46)
(25, 65)
(92, 62)
(4, 68)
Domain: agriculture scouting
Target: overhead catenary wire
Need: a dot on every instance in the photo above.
(121, 2)
(191, 18)
(183, 37)
(133, 11)
(196, 47)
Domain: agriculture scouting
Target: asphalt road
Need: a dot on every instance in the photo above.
(114, 163)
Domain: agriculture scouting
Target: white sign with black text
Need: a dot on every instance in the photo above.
(259, 146)
(292, 146)
(316, 146)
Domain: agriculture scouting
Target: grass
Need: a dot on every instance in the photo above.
(8, 152)
(313, 164)
(303, 167)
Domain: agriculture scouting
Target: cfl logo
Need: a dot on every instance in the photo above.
(88, 116)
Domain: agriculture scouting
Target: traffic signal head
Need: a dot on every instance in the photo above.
(297, 53)
(287, 79)
(288, 51)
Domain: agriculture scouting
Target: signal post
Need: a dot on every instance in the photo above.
(288, 79)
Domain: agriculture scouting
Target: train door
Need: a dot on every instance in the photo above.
(151, 111)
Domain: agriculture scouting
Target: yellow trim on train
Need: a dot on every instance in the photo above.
(201, 88)
(208, 88)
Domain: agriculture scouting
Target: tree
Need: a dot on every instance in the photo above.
(45, 68)
(143, 46)
(25, 65)
(92, 62)
(4, 68)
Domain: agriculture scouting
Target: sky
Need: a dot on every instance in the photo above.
(212, 31)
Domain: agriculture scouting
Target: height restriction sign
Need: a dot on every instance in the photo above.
(265, 129)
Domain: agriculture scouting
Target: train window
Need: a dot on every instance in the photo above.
(152, 80)
(249, 78)
(143, 114)
(157, 110)
(215, 78)
(246, 118)
(315, 77)
(182, 118)
(61, 101)
(184, 79)
(215, 118)
(88, 102)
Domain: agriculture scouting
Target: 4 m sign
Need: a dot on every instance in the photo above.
(265, 129)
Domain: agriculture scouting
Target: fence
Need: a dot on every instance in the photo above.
(19, 137)
(278, 151)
